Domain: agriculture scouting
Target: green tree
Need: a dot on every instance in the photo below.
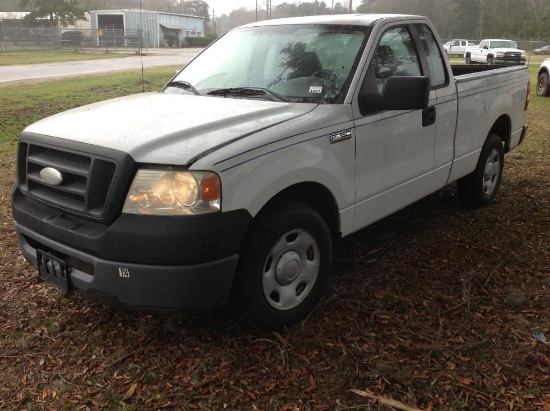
(339, 8)
(10, 5)
(196, 8)
(366, 6)
(54, 10)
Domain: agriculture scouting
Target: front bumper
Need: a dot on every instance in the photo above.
(143, 262)
(509, 60)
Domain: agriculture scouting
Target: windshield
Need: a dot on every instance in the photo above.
(503, 44)
(299, 63)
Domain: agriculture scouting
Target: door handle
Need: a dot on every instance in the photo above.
(429, 115)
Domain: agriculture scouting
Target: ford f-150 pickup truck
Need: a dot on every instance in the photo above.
(493, 51)
(231, 185)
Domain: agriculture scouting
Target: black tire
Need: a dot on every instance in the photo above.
(468, 60)
(490, 60)
(481, 187)
(283, 268)
(542, 85)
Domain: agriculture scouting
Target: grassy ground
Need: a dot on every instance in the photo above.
(9, 58)
(435, 307)
(24, 104)
(12, 58)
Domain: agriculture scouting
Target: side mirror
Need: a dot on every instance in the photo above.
(486, 47)
(400, 93)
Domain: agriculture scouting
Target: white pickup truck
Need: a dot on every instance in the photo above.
(495, 51)
(232, 184)
(456, 47)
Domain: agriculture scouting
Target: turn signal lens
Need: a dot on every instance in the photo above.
(210, 188)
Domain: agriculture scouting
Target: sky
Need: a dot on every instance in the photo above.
(227, 6)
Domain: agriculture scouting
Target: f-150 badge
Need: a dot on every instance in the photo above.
(342, 135)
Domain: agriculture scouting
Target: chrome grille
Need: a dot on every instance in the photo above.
(87, 178)
(512, 56)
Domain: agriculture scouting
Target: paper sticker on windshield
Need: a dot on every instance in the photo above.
(315, 89)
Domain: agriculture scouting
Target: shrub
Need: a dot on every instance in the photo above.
(198, 41)
(171, 39)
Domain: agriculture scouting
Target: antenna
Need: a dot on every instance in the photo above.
(141, 48)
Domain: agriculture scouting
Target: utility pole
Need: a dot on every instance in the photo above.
(256, 10)
(350, 6)
(481, 19)
(213, 21)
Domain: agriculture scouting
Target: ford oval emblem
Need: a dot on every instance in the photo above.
(51, 176)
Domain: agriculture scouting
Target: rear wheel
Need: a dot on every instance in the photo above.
(468, 60)
(481, 187)
(542, 85)
(284, 267)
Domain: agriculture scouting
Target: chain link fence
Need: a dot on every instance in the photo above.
(59, 39)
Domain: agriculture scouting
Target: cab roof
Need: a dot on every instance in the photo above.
(366, 20)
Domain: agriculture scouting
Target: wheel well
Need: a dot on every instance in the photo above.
(316, 196)
(542, 70)
(501, 128)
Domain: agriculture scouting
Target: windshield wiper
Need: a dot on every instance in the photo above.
(184, 85)
(245, 92)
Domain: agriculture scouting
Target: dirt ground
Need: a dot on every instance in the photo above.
(438, 307)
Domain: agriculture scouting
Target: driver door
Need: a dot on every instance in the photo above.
(394, 150)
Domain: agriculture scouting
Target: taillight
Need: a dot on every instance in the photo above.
(528, 95)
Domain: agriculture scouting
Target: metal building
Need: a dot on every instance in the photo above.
(134, 27)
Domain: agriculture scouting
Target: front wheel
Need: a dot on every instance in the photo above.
(489, 61)
(284, 267)
(480, 187)
(542, 85)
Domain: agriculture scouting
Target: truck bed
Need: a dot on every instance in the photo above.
(465, 69)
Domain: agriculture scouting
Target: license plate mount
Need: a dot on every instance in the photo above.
(53, 270)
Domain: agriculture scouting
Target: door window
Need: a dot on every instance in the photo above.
(395, 55)
(438, 75)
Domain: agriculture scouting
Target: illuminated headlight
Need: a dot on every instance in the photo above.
(167, 192)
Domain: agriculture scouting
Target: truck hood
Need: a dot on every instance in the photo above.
(167, 128)
(507, 50)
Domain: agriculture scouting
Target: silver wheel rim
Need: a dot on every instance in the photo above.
(491, 173)
(291, 269)
(542, 85)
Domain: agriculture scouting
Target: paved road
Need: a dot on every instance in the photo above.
(154, 58)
